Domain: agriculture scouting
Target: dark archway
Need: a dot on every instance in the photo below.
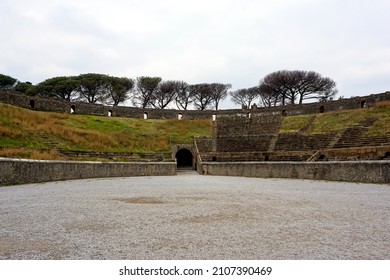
(32, 104)
(184, 158)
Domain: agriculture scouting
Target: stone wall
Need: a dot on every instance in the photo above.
(322, 107)
(254, 124)
(57, 105)
(246, 133)
(301, 142)
(356, 153)
(244, 143)
(204, 144)
(350, 171)
(339, 154)
(16, 171)
(34, 102)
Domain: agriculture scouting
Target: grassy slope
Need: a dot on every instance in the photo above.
(31, 129)
(22, 130)
(338, 121)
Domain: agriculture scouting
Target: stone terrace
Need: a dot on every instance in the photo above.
(257, 138)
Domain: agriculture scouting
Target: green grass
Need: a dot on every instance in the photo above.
(294, 123)
(22, 128)
(333, 122)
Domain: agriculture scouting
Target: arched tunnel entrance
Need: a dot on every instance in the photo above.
(184, 158)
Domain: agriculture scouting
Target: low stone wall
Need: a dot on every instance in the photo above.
(351, 171)
(16, 171)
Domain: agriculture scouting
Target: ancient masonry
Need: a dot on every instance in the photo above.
(245, 134)
(56, 105)
(245, 142)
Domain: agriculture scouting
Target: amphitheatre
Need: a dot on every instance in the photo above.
(284, 142)
(279, 183)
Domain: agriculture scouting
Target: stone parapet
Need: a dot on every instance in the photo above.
(58, 105)
(17, 171)
(349, 171)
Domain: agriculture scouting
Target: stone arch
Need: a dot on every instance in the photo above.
(284, 113)
(180, 116)
(322, 109)
(363, 104)
(145, 115)
(73, 109)
(184, 158)
(109, 113)
(32, 104)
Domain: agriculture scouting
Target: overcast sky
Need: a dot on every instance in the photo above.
(236, 41)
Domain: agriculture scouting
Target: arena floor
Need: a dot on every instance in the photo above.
(195, 217)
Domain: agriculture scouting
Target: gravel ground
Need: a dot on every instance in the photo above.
(195, 217)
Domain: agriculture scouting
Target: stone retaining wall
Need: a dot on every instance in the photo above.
(16, 171)
(57, 105)
(351, 171)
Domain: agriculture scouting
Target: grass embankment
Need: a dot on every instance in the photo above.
(337, 121)
(31, 134)
(23, 132)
